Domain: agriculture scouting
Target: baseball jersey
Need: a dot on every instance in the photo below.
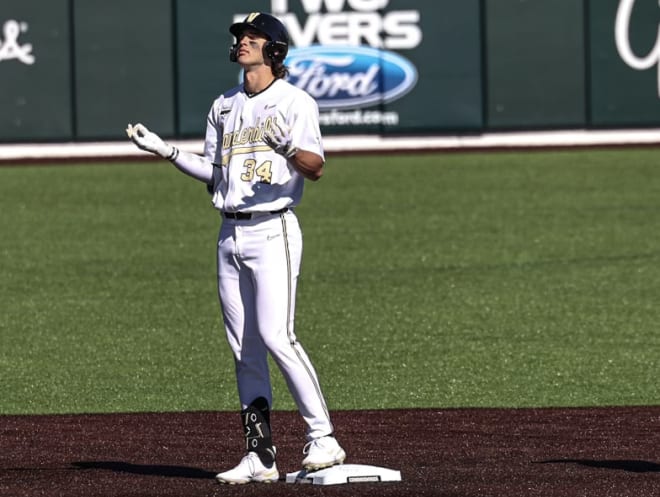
(248, 175)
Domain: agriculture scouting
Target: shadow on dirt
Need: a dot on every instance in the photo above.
(147, 469)
(633, 466)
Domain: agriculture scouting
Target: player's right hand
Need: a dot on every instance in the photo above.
(149, 141)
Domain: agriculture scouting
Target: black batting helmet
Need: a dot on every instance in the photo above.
(278, 37)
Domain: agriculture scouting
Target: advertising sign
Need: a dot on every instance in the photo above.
(625, 63)
(82, 69)
(35, 71)
(385, 66)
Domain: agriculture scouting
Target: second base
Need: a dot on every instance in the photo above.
(345, 473)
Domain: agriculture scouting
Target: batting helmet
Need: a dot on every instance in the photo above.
(278, 37)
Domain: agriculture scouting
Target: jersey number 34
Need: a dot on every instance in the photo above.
(263, 171)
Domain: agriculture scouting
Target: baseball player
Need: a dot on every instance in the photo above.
(262, 141)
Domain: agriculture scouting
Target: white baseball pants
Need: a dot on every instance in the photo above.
(258, 266)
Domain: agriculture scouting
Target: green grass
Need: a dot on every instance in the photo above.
(435, 280)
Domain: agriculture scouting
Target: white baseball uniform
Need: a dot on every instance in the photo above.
(260, 245)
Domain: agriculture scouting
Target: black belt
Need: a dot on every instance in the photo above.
(249, 215)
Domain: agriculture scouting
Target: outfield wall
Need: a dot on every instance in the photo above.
(79, 70)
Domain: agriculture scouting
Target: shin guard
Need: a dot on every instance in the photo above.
(256, 425)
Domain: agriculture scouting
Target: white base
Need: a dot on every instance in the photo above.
(345, 473)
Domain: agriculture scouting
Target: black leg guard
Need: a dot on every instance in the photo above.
(256, 425)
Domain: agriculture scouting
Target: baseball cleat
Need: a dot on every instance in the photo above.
(322, 453)
(250, 469)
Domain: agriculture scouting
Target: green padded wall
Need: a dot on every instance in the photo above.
(35, 71)
(535, 63)
(124, 67)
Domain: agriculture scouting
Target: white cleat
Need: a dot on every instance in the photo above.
(250, 469)
(322, 453)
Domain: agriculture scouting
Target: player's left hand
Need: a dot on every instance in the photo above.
(149, 141)
(278, 136)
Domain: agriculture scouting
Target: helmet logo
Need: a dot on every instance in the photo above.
(252, 16)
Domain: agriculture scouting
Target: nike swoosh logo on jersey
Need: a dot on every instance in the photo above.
(272, 237)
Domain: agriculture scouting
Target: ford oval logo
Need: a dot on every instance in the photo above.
(340, 77)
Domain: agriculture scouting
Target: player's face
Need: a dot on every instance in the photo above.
(251, 48)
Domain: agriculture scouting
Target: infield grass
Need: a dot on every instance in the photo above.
(435, 280)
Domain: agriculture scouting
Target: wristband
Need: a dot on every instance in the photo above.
(291, 152)
(175, 153)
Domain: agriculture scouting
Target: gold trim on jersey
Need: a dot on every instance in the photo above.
(244, 150)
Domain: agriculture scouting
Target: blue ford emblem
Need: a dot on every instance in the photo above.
(340, 77)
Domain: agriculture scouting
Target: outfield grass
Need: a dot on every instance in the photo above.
(436, 280)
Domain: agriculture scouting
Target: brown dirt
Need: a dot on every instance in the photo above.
(587, 452)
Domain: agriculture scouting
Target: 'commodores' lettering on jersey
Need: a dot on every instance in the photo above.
(249, 135)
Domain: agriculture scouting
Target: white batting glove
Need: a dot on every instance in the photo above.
(149, 141)
(278, 136)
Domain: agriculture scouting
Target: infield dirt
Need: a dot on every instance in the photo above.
(585, 452)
